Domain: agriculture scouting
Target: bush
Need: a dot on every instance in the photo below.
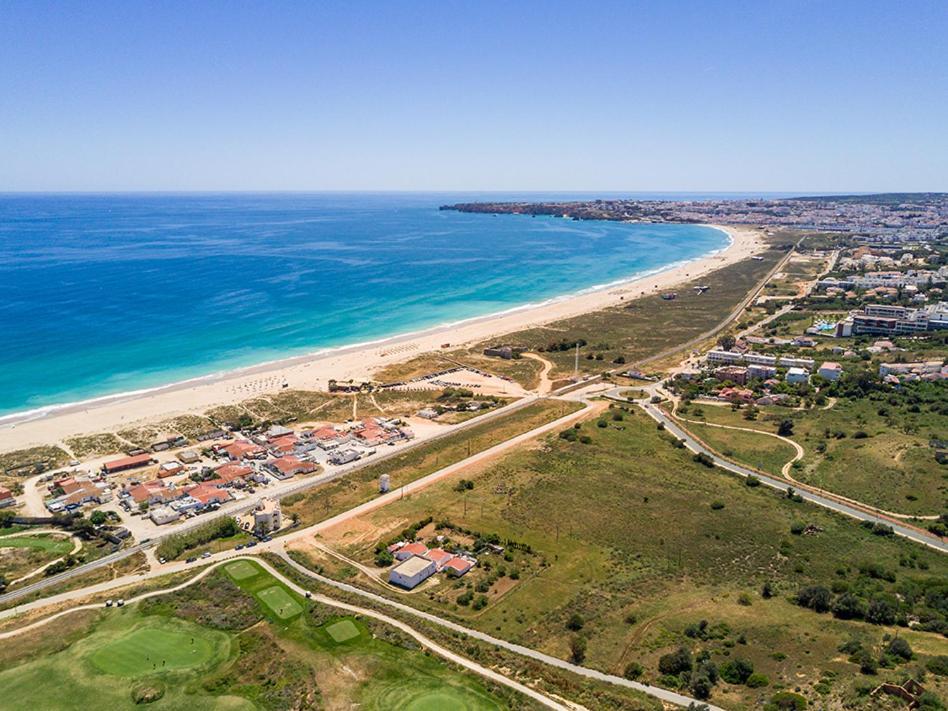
(575, 622)
(752, 481)
(577, 650)
(899, 648)
(744, 599)
(675, 662)
(480, 603)
(815, 597)
(737, 671)
(702, 458)
(938, 665)
(797, 528)
(717, 505)
(785, 428)
(880, 612)
(383, 558)
(633, 671)
(786, 701)
(849, 607)
(757, 680)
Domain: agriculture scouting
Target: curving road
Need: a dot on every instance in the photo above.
(852, 510)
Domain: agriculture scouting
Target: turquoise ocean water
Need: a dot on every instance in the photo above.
(103, 294)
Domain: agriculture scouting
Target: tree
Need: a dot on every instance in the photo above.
(383, 558)
(785, 428)
(675, 662)
(727, 342)
(575, 622)
(98, 518)
(577, 649)
(701, 686)
(767, 591)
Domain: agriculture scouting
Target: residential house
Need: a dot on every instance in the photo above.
(830, 370)
(411, 572)
(797, 375)
(285, 467)
(411, 549)
(6, 497)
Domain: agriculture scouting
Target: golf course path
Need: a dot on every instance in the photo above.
(353, 609)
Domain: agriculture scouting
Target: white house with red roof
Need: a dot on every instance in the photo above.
(410, 549)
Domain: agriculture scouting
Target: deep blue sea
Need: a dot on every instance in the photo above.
(101, 294)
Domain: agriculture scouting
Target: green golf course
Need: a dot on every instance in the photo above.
(238, 639)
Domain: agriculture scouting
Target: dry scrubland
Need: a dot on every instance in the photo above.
(631, 543)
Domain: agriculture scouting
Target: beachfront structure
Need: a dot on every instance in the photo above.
(268, 517)
(797, 375)
(126, 463)
(344, 457)
(736, 357)
(72, 492)
(412, 572)
(189, 456)
(830, 370)
(890, 320)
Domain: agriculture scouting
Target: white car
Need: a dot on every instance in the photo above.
(108, 603)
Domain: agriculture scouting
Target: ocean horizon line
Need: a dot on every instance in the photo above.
(13, 418)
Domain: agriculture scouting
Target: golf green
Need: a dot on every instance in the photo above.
(343, 631)
(430, 695)
(154, 648)
(279, 602)
(241, 570)
(46, 543)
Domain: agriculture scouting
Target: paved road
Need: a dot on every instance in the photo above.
(657, 692)
(913, 534)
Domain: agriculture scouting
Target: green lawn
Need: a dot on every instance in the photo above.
(767, 454)
(343, 631)
(279, 601)
(241, 570)
(157, 647)
(318, 659)
(56, 545)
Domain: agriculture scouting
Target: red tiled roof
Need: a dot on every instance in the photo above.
(292, 464)
(138, 460)
(5, 493)
(439, 555)
(414, 549)
(231, 472)
(459, 564)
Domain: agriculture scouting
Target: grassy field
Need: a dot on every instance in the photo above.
(21, 555)
(219, 645)
(342, 494)
(766, 454)
(868, 449)
(646, 325)
(632, 544)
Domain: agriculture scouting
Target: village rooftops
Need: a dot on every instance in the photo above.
(411, 549)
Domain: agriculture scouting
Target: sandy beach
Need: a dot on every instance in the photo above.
(313, 372)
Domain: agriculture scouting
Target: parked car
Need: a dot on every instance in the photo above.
(191, 559)
(121, 602)
(108, 603)
(239, 547)
(206, 554)
(162, 561)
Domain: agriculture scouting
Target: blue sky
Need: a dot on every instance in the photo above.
(784, 96)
